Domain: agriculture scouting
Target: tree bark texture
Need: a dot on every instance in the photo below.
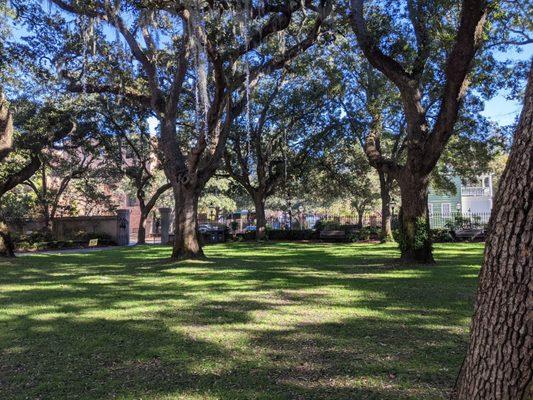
(498, 363)
(414, 239)
(186, 241)
(259, 200)
(7, 247)
(141, 232)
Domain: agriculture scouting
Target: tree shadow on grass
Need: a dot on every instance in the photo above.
(52, 346)
(359, 358)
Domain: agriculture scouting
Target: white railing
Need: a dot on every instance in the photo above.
(475, 191)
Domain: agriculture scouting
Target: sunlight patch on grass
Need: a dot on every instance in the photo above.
(254, 321)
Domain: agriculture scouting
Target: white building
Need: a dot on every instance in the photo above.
(476, 197)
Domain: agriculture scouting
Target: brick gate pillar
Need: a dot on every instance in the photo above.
(164, 213)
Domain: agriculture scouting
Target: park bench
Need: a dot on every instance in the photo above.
(333, 235)
(468, 234)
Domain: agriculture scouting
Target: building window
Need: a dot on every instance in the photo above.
(487, 182)
(430, 209)
(446, 210)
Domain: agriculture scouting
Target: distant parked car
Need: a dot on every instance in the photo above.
(250, 228)
(205, 228)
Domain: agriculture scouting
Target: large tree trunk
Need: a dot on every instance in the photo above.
(7, 247)
(499, 357)
(386, 215)
(414, 237)
(259, 202)
(186, 241)
(141, 231)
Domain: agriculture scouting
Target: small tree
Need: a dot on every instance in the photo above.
(216, 198)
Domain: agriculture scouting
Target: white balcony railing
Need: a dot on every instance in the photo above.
(475, 191)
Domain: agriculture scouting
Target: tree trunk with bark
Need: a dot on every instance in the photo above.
(414, 235)
(7, 246)
(424, 145)
(141, 232)
(259, 202)
(186, 241)
(386, 215)
(499, 358)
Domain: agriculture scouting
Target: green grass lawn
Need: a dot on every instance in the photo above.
(271, 321)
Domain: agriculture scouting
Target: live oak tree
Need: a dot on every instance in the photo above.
(425, 138)
(289, 122)
(201, 70)
(372, 110)
(498, 360)
(132, 152)
(21, 148)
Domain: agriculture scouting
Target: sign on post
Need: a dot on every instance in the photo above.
(93, 242)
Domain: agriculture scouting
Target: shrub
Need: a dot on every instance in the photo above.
(25, 246)
(319, 225)
(35, 237)
(84, 237)
(365, 233)
(441, 236)
(284, 234)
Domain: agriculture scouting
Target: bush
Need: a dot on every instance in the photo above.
(461, 222)
(284, 234)
(84, 237)
(24, 246)
(30, 242)
(436, 235)
(440, 236)
(319, 225)
(35, 237)
(365, 233)
(334, 226)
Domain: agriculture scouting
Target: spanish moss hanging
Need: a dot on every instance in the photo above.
(197, 32)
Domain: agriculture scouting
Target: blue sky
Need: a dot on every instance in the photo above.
(499, 109)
